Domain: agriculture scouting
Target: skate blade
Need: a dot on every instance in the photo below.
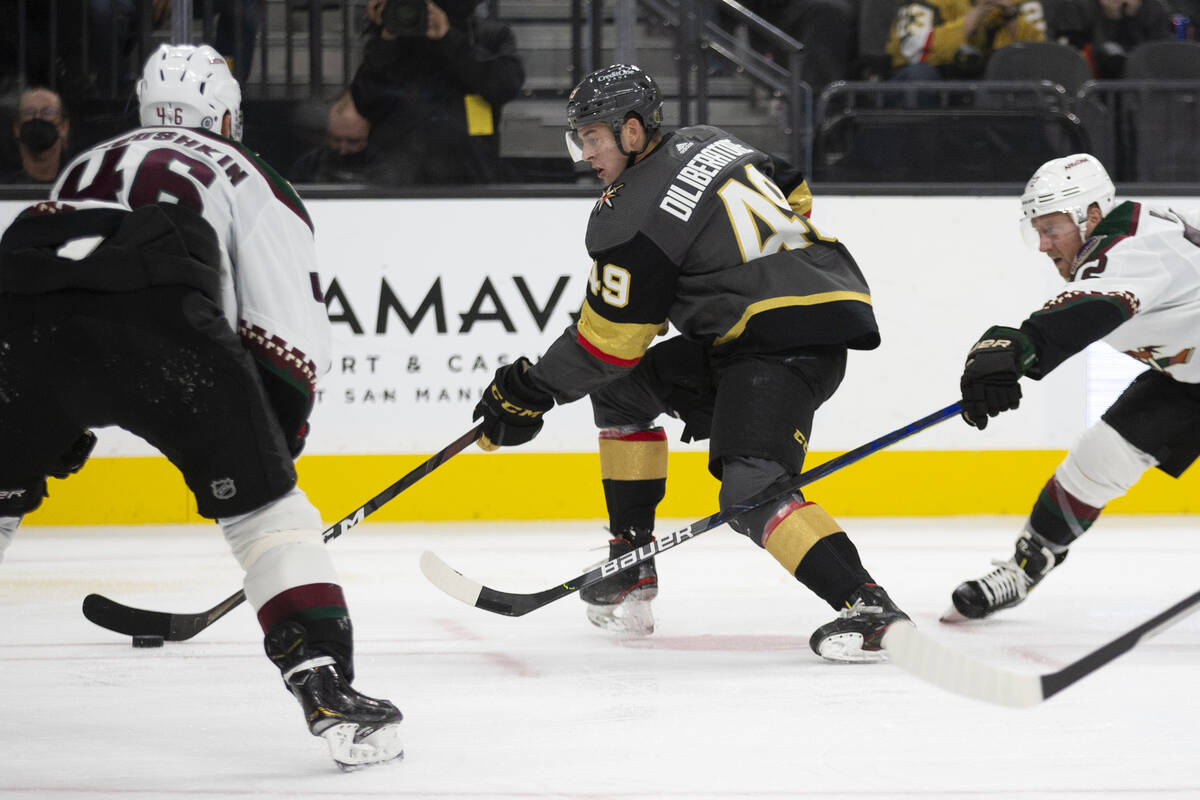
(628, 618)
(846, 648)
(952, 616)
(379, 747)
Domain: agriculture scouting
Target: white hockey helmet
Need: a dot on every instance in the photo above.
(189, 86)
(1070, 185)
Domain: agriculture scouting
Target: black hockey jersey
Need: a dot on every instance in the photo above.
(699, 234)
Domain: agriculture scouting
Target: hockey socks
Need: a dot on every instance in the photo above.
(812, 547)
(1059, 517)
(633, 471)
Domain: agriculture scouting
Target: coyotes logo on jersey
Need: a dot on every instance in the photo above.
(1148, 356)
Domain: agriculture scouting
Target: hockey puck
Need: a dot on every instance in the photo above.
(147, 641)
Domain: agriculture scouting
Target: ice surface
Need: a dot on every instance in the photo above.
(724, 701)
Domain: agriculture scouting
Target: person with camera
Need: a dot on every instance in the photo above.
(952, 39)
(433, 80)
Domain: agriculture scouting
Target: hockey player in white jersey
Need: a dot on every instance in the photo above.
(169, 287)
(1133, 280)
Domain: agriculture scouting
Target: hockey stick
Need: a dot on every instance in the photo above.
(177, 627)
(959, 673)
(511, 604)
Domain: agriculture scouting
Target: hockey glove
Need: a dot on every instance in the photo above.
(511, 408)
(76, 456)
(991, 377)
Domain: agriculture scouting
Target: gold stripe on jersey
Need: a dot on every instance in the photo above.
(790, 538)
(801, 199)
(784, 302)
(638, 457)
(622, 343)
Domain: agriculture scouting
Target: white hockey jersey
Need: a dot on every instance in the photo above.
(1146, 262)
(270, 291)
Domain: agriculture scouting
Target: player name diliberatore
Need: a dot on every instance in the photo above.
(689, 183)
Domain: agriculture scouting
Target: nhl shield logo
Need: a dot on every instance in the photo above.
(223, 489)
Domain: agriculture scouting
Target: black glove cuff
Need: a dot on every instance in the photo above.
(517, 395)
(1000, 338)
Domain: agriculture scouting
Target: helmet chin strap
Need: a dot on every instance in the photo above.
(631, 158)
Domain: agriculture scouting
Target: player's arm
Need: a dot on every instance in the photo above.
(282, 320)
(995, 364)
(630, 290)
(792, 183)
(1117, 281)
(1105, 294)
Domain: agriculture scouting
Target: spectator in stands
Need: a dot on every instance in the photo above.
(828, 29)
(433, 80)
(40, 130)
(346, 156)
(1106, 30)
(934, 39)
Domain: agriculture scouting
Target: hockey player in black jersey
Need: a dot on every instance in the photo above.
(694, 229)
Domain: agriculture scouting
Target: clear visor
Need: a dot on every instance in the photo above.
(574, 146)
(1057, 228)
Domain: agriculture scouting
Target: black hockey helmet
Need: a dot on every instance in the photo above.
(611, 95)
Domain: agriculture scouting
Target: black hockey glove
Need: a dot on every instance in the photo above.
(511, 408)
(76, 456)
(991, 377)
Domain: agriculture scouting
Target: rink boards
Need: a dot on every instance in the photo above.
(429, 296)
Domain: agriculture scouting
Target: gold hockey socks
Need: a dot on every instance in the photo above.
(812, 546)
(633, 470)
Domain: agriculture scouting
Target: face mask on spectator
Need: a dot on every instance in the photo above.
(352, 160)
(38, 135)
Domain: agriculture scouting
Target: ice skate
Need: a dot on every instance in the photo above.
(359, 730)
(856, 635)
(621, 602)
(1005, 586)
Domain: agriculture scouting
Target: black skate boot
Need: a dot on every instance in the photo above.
(1009, 583)
(621, 602)
(360, 730)
(856, 635)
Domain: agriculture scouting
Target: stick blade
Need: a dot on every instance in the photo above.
(959, 673)
(449, 580)
(118, 618)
